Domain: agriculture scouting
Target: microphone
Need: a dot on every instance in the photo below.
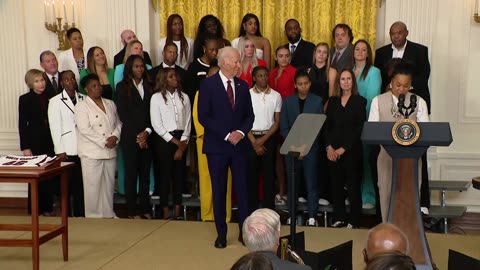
(413, 102)
(401, 103)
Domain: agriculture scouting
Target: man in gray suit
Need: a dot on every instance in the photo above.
(342, 54)
(261, 232)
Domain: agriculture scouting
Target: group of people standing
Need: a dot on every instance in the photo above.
(243, 107)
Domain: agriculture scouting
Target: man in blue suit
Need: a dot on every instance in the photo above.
(225, 110)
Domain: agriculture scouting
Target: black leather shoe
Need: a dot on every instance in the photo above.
(220, 242)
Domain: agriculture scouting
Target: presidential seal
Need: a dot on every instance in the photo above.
(406, 132)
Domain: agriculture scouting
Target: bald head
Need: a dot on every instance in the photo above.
(126, 36)
(384, 238)
(398, 34)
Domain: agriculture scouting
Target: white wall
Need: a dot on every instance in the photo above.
(445, 26)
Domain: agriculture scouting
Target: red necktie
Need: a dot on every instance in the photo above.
(230, 94)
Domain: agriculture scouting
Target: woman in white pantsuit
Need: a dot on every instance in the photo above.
(98, 134)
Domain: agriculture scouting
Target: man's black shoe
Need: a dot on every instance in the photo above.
(221, 242)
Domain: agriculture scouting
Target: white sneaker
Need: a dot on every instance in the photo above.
(339, 224)
(186, 195)
(424, 211)
(347, 201)
(279, 200)
(349, 226)
(368, 206)
(312, 222)
(302, 200)
(322, 201)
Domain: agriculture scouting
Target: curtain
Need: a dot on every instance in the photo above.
(317, 17)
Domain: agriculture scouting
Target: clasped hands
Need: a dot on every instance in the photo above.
(258, 146)
(111, 142)
(334, 154)
(182, 146)
(235, 137)
(142, 139)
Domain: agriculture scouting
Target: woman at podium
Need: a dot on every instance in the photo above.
(343, 128)
(384, 108)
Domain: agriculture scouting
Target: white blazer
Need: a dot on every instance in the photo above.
(66, 61)
(61, 117)
(94, 127)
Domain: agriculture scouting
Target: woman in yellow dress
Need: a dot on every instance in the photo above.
(206, 199)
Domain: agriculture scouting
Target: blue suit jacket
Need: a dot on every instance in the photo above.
(291, 110)
(218, 118)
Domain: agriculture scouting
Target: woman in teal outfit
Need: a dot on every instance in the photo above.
(97, 64)
(369, 82)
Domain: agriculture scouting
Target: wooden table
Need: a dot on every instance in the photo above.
(34, 177)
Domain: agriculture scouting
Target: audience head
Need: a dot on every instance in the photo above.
(345, 82)
(398, 34)
(250, 25)
(126, 36)
(175, 29)
(175, 25)
(170, 53)
(75, 39)
(135, 68)
(293, 31)
(35, 80)
(401, 79)
(49, 63)
(282, 56)
(134, 47)
(383, 238)
(247, 50)
(391, 64)
(253, 261)
(362, 52)
(392, 260)
(343, 35)
(302, 82)
(229, 62)
(91, 84)
(96, 57)
(167, 79)
(260, 76)
(68, 81)
(210, 47)
(321, 54)
(212, 25)
(261, 230)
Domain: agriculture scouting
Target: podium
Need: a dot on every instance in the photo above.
(404, 210)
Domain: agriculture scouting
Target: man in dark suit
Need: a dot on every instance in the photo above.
(301, 50)
(225, 110)
(414, 53)
(342, 54)
(170, 54)
(49, 63)
(417, 56)
(126, 36)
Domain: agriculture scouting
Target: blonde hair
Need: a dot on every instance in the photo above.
(241, 47)
(327, 64)
(31, 75)
(129, 48)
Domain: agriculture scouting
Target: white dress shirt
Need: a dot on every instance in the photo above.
(422, 111)
(398, 53)
(57, 77)
(174, 114)
(141, 91)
